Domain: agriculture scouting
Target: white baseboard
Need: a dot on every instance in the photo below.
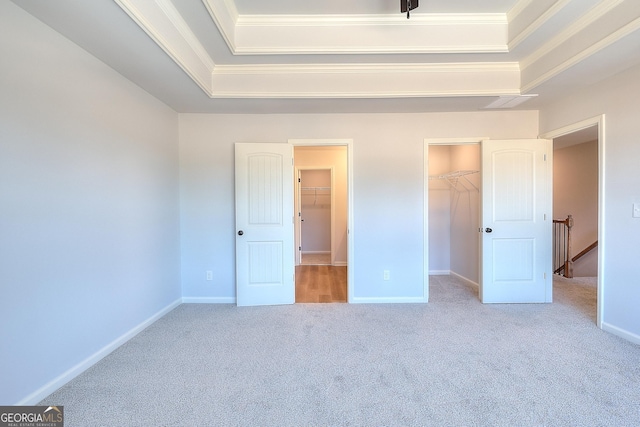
(76, 370)
(209, 300)
(464, 279)
(622, 333)
(389, 300)
(439, 272)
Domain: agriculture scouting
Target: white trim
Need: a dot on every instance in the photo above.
(575, 127)
(369, 50)
(208, 300)
(622, 333)
(185, 31)
(173, 35)
(517, 9)
(355, 80)
(600, 122)
(78, 369)
(439, 272)
(466, 280)
(225, 16)
(369, 68)
(364, 94)
(346, 20)
(261, 34)
(454, 141)
(582, 23)
(350, 223)
(537, 23)
(584, 54)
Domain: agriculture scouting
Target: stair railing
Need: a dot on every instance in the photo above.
(562, 259)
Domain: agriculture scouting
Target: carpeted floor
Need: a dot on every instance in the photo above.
(452, 362)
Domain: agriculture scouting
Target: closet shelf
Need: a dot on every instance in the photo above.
(457, 180)
(316, 189)
(315, 192)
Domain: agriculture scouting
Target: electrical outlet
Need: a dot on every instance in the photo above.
(209, 275)
(636, 210)
(386, 275)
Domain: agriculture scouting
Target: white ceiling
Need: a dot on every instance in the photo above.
(257, 56)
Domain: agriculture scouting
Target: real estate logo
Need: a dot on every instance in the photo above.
(31, 416)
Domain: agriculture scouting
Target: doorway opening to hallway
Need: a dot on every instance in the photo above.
(321, 223)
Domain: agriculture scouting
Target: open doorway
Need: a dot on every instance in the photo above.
(575, 213)
(322, 223)
(453, 211)
(591, 133)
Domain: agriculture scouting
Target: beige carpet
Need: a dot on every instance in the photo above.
(452, 362)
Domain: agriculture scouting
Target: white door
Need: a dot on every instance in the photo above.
(264, 224)
(516, 221)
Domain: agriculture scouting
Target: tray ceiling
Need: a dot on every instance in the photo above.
(261, 56)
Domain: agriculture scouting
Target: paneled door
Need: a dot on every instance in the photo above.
(264, 224)
(516, 221)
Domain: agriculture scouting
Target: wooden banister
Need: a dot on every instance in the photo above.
(585, 251)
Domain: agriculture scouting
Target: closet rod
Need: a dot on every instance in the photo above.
(453, 179)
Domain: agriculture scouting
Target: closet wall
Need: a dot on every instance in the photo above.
(454, 210)
(315, 206)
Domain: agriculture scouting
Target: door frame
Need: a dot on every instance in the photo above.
(350, 223)
(600, 122)
(298, 203)
(427, 143)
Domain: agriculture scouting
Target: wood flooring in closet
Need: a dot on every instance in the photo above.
(321, 284)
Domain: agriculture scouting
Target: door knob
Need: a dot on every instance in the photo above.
(488, 230)
(240, 233)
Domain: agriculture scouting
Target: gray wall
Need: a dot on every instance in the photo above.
(616, 97)
(89, 229)
(388, 174)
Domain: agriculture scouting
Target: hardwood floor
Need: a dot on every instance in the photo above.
(321, 284)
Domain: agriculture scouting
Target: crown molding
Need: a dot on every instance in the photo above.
(366, 80)
(358, 35)
(326, 34)
(371, 50)
(593, 15)
(517, 9)
(164, 24)
(304, 34)
(537, 23)
(458, 67)
(587, 52)
(369, 20)
(248, 94)
(225, 16)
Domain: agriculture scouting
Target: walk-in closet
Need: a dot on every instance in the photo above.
(454, 216)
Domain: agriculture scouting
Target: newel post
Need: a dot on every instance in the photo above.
(568, 264)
